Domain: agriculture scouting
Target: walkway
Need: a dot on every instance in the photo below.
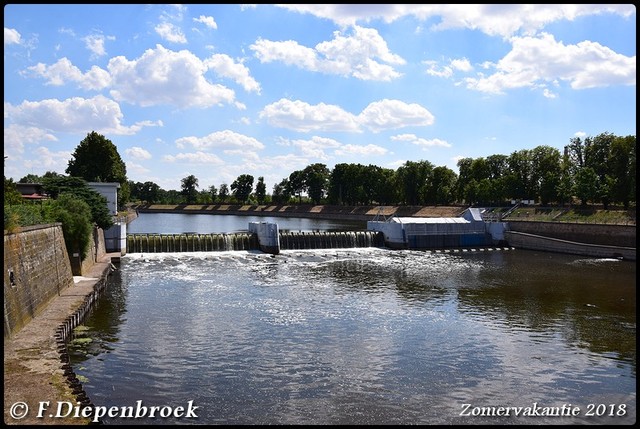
(33, 370)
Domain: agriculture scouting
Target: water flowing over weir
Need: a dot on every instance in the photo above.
(162, 243)
(330, 240)
(159, 243)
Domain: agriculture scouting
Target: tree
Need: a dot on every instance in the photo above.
(242, 187)
(75, 216)
(96, 159)
(189, 185)
(281, 194)
(214, 193)
(622, 166)
(58, 185)
(224, 193)
(261, 190)
(316, 178)
(586, 185)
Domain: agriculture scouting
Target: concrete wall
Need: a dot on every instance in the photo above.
(608, 235)
(36, 268)
(97, 249)
(523, 240)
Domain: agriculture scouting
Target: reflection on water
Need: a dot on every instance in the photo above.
(364, 336)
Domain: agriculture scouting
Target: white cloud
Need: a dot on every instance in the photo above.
(360, 55)
(368, 150)
(377, 116)
(95, 43)
(136, 152)
(73, 115)
(225, 66)
(300, 116)
(162, 76)
(493, 19)
(389, 114)
(220, 139)
(170, 32)
(11, 36)
(207, 21)
(46, 160)
(412, 138)
(535, 61)
(64, 71)
(16, 136)
(195, 158)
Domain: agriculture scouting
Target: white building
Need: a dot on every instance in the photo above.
(109, 190)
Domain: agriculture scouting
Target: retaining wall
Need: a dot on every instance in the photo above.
(36, 268)
(608, 235)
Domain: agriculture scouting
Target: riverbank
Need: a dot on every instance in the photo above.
(34, 371)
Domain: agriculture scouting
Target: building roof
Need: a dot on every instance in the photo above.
(409, 220)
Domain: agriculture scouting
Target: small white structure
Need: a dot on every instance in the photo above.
(109, 190)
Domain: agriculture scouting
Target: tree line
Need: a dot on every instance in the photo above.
(599, 170)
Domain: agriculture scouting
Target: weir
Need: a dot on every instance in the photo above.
(188, 242)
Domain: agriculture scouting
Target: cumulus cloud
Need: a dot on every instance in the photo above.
(16, 136)
(11, 36)
(195, 158)
(136, 152)
(368, 150)
(537, 61)
(390, 114)
(424, 143)
(377, 116)
(363, 55)
(220, 139)
(64, 71)
(73, 115)
(162, 76)
(300, 116)
(225, 66)
(493, 19)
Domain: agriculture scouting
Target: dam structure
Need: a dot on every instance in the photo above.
(467, 230)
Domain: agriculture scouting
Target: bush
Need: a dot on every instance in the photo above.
(75, 216)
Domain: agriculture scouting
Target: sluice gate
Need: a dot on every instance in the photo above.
(330, 240)
(187, 242)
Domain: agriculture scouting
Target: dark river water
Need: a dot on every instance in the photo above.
(366, 336)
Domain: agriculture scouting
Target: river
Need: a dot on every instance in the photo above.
(365, 336)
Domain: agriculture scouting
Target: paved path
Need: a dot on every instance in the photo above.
(33, 370)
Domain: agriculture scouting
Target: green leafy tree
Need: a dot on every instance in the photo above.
(213, 191)
(586, 185)
(224, 193)
(296, 184)
(189, 192)
(57, 185)
(622, 167)
(281, 193)
(96, 159)
(75, 216)
(242, 187)
(261, 190)
(316, 178)
(11, 194)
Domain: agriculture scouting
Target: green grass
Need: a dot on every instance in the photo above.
(574, 214)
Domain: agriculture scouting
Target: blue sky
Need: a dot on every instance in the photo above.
(226, 89)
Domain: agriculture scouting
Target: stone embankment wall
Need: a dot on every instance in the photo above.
(36, 268)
